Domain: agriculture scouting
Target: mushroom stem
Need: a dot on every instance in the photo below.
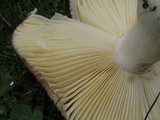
(139, 49)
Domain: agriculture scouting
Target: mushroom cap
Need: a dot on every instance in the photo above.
(75, 63)
(116, 17)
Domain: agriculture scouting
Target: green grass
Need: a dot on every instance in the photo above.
(21, 97)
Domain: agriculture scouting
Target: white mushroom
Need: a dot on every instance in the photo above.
(107, 70)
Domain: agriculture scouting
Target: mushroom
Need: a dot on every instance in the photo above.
(113, 16)
(102, 66)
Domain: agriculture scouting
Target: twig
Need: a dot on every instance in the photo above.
(152, 106)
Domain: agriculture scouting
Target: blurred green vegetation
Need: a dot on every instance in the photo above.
(21, 97)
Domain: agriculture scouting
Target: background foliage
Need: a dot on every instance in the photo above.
(21, 97)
